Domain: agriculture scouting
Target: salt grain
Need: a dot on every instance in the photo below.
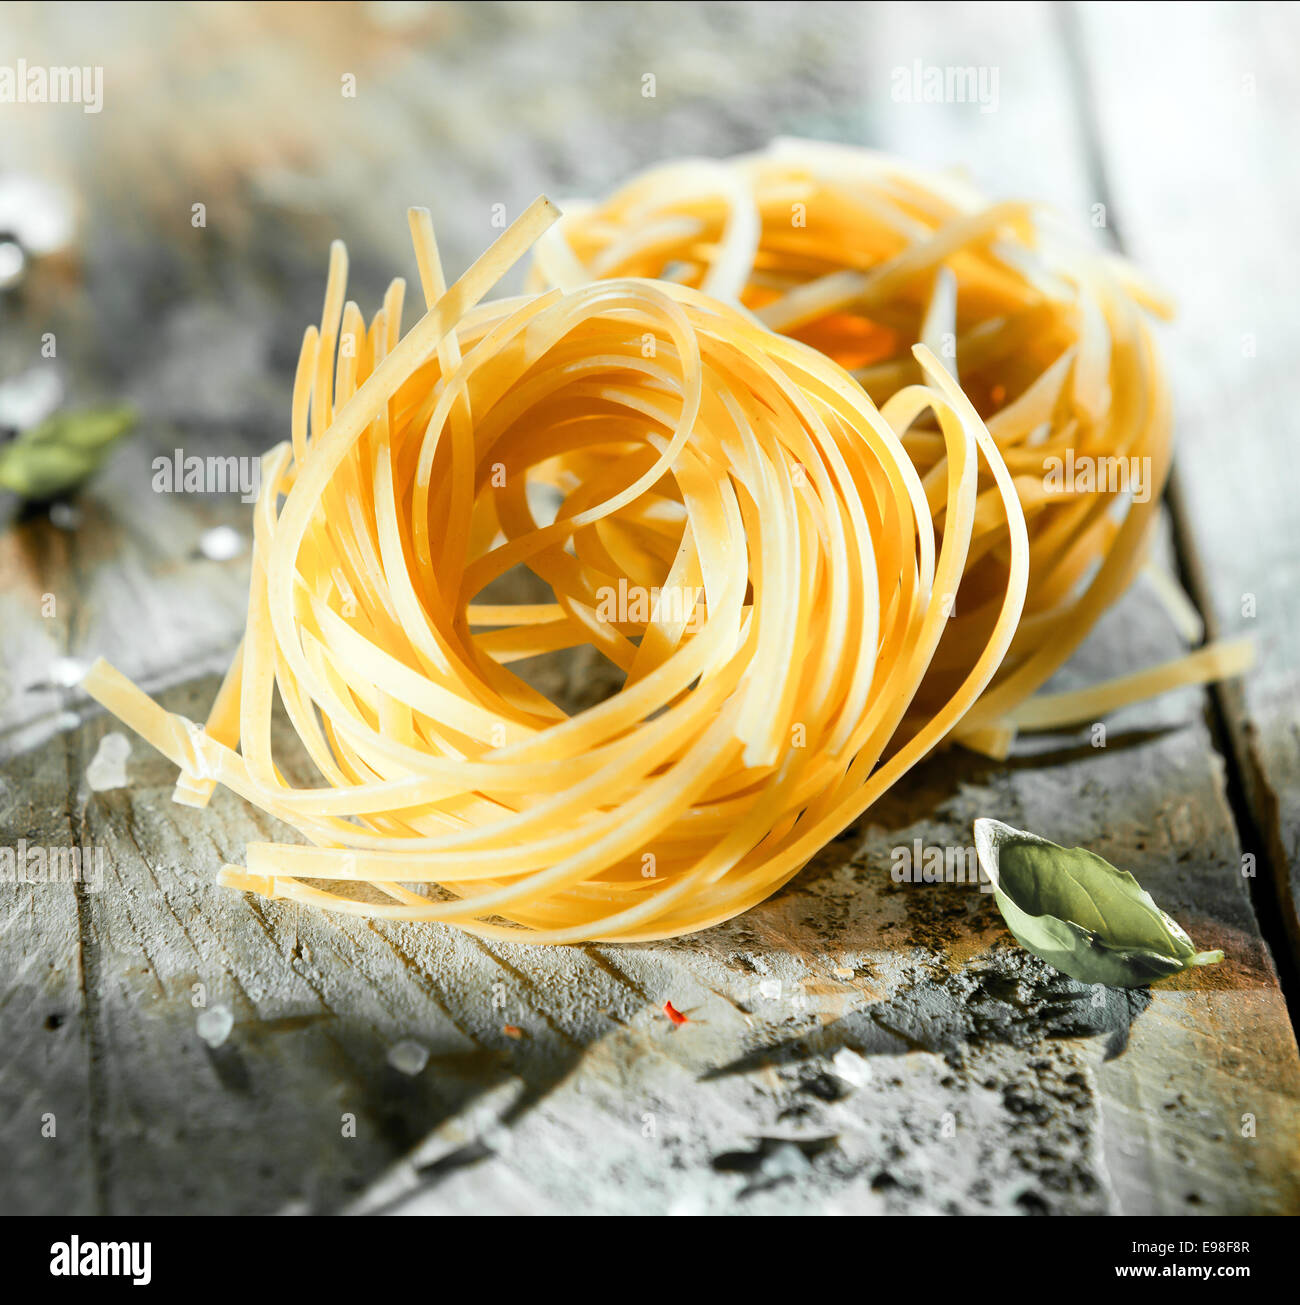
(408, 1057)
(689, 1205)
(64, 516)
(67, 671)
(107, 769)
(784, 1161)
(39, 215)
(28, 398)
(214, 1025)
(221, 543)
(852, 1068)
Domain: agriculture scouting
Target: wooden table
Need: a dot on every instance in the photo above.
(990, 1083)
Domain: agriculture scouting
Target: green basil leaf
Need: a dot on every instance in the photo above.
(1077, 912)
(61, 452)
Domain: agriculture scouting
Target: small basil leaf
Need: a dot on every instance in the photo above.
(1079, 913)
(61, 452)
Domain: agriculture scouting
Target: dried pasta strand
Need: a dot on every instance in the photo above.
(861, 255)
(690, 453)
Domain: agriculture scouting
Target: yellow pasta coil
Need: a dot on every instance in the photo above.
(721, 511)
(862, 256)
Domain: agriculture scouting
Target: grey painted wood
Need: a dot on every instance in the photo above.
(554, 1081)
(1209, 205)
(46, 1075)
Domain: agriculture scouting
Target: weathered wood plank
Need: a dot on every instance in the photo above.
(47, 1140)
(994, 1084)
(1212, 208)
(1143, 1151)
(49, 1160)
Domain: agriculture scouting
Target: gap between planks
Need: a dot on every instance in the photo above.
(1269, 889)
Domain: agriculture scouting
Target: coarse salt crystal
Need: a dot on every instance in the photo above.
(784, 1161)
(107, 769)
(408, 1056)
(852, 1068)
(221, 543)
(67, 671)
(64, 516)
(214, 1025)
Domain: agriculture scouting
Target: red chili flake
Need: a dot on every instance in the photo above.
(512, 1031)
(674, 1014)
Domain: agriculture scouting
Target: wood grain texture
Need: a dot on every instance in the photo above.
(987, 1082)
(1210, 207)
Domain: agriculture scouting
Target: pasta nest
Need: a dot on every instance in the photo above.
(862, 255)
(722, 512)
